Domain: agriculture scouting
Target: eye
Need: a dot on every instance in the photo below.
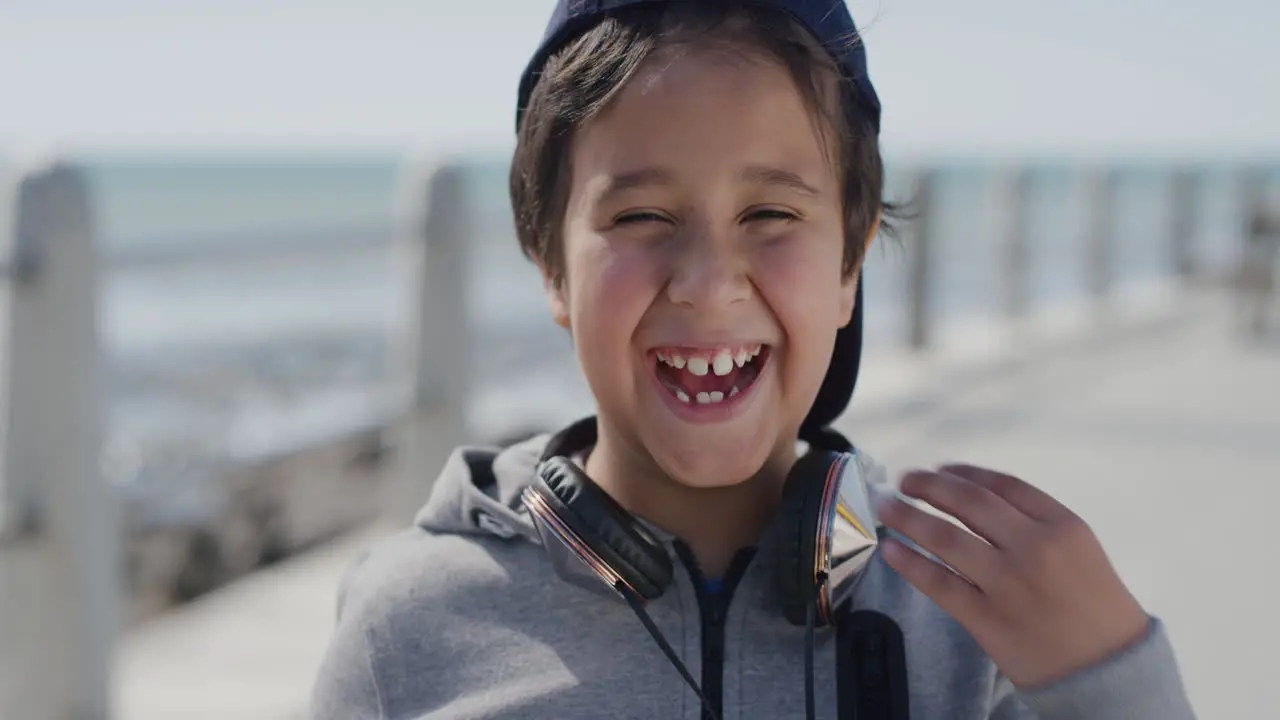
(770, 214)
(639, 217)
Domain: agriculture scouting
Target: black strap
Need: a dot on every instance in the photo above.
(871, 667)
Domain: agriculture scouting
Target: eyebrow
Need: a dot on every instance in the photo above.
(764, 175)
(634, 179)
(657, 176)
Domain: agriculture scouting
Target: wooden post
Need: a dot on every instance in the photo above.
(431, 256)
(1259, 228)
(920, 250)
(1011, 210)
(1099, 239)
(59, 560)
(1182, 219)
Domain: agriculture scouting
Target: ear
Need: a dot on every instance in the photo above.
(849, 285)
(557, 298)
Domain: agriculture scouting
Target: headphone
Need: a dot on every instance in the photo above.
(826, 524)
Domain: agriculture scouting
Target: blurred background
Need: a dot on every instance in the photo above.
(259, 274)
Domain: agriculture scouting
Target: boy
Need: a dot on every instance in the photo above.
(698, 182)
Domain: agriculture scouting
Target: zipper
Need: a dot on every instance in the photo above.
(712, 611)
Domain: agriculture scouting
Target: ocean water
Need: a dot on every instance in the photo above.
(246, 299)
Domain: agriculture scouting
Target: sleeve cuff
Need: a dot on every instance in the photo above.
(1141, 682)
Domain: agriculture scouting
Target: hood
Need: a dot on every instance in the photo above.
(478, 492)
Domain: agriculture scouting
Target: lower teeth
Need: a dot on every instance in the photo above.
(704, 398)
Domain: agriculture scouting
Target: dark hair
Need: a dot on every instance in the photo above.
(578, 81)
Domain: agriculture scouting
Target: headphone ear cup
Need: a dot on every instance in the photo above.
(800, 512)
(608, 530)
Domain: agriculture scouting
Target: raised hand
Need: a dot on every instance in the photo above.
(1038, 592)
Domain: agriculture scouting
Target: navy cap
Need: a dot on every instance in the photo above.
(832, 26)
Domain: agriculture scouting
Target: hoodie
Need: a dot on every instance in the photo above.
(465, 615)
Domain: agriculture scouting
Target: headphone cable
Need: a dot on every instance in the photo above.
(810, 710)
(637, 606)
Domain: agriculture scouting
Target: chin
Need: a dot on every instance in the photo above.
(711, 465)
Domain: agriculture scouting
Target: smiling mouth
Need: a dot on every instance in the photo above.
(709, 376)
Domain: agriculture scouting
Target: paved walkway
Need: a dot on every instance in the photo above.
(1167, 440)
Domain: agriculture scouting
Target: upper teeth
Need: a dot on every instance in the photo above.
(721, 362)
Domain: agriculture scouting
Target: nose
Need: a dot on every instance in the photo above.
(708, 273)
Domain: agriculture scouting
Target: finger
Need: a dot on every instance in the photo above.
(1022, 495)
(967, 554)
(952, 593)
(980, 509)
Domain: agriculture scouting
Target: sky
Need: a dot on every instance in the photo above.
(1136, 77)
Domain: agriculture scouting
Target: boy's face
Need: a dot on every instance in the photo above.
(703, 245)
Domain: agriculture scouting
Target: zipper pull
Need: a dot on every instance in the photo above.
(715, 616)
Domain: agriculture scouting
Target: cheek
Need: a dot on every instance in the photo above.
(610, 290)
(813, 266)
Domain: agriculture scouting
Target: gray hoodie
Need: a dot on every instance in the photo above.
(465, 616)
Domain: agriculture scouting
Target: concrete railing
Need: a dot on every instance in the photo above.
(59, 559)
(61, 554)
